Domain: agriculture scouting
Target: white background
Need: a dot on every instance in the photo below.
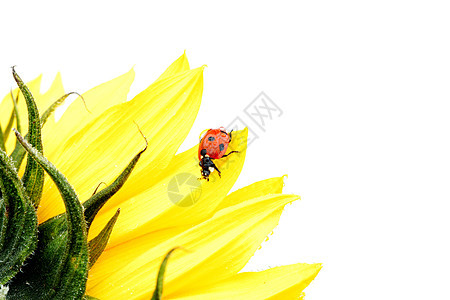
(364, 134)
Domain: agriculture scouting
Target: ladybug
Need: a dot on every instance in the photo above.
(213, 145)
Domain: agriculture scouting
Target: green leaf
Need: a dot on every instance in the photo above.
(68, 280)
(160, 279)
(33, 178)
(98, 244)
(20, 236)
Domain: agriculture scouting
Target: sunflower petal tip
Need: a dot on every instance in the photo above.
(294, 198)
(132, 72)
(317, 267)
(183, 60)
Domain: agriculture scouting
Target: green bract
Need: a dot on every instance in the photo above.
(50, 260)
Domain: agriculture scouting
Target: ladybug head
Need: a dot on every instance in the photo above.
(206, 164)
(205, 173)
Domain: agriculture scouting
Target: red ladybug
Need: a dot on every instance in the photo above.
(213, 145)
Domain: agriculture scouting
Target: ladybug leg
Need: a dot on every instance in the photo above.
(213, 165)
(230, 153)
(218, 171)
(208, 167)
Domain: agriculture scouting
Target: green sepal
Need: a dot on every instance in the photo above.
(20, 236)
(96, 201)
(33, 177)
(14, 114)
(52, 249)
(2, 140)
(157, 294)
(3, 221)
(41, 275)
(19, 152)
(3, 292)
(18, 155)
(98, 244)
(63, 256)
(55, 105)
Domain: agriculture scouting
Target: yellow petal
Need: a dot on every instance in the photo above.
(6, 107)
(55, 92)
(152, 209)
(165, 111)
(43, 101)
(286, 282)
(97, 100)
(220, 247)
(76, 116)
(178, 66)
(260, 188)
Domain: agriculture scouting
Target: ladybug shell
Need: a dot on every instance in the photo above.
(215, 141)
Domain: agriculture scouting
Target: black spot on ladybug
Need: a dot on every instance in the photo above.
(221, 147)
(211, 138)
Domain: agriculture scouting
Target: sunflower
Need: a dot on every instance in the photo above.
(161, 206)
